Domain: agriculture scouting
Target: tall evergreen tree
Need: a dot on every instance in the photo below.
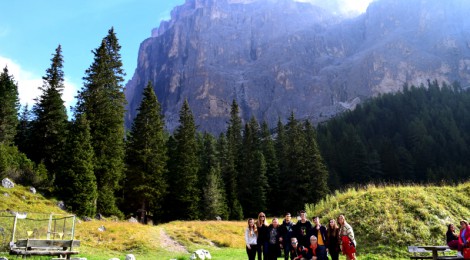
(9, 106)
(229, 175)
(272, 171)
(102, 99)
(214, 201)
(315, 167)
(253, 181)
(78, 182)
(23, 134)
(231, 171)
(49, 127)
(146, 158)
(184, 192)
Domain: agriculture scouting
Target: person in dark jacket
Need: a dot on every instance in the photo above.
(287, 232)
(297, 251)
(452, 238)
(303, 229)
(332, 238)
(262, 240)
(319, 231)
(274, 249)
(314, 250)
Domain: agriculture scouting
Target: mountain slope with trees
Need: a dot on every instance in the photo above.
(419, 135)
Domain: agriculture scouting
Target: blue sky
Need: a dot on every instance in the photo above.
(31, 30)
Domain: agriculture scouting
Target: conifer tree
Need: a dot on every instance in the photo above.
(232, 167)
(273, 194)
(49, 127)
(214, 201)
(229, 176)
(23, 133)
(102, 99)
(315, 167)
(79, 187)
(146, 158)
(184, 192)
(9, 105)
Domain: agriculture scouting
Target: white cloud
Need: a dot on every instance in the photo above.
(342, 6)
(29, 83)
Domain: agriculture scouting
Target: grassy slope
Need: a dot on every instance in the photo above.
(385, 220)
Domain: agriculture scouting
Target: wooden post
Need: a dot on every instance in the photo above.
(49, 227)
(14, 229)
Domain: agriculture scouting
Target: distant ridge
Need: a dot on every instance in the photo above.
(275, 57)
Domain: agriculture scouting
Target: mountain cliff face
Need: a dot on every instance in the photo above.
(278, 56)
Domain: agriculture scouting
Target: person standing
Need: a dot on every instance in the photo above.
(274, 249)
(319, 231)
(262, 240)
(303, 229)
(287, 232)
(250, 239)
(332, 238)
(346, 239)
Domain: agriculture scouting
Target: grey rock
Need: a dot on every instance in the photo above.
(130, 257)
(114, 258)
(86, 219)
(61, 205)
(3, 258)
(32, 190)
(7, 183)
(6, 194)
(102, 228)
(278, 57)
(133, 220)
(99, 216)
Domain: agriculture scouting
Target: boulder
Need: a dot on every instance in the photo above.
(133, 220)
(32, 190)
(61, 205)
(200, 254)
(130, 257)
(7, 183)
(99, 216)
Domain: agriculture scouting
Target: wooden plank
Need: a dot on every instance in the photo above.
(41, 252)
(47, 243)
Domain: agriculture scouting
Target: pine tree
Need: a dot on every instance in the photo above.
(229, 174)
(23, 133)
(252, 176)
(146, 158)
(9, 106)
(79, 188)
(272, 171)
(184, 192)
(315, 167)
(102, 99)
(232, 167)
(49, 128)
(214, 201)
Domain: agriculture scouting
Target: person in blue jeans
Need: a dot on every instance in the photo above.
(286, 232)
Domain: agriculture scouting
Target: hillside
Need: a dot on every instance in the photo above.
(385, 220)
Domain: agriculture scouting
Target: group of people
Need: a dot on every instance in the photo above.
(461, 241)
(299, 241)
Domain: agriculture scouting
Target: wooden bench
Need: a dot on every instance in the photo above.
(45, 247)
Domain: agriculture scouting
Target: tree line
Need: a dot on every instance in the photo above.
(419, 135)
(95, 166)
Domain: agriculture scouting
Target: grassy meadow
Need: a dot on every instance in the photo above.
(385, 220)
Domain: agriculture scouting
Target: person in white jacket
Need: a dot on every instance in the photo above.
(251, 235)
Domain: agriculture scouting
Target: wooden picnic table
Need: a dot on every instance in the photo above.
(434, 250)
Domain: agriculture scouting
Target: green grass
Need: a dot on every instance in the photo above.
(385, 220)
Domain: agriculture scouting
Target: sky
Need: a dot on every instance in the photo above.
(31, 30)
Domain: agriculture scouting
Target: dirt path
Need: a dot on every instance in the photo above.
(170, 244)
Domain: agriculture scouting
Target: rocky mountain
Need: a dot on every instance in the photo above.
(279, 56)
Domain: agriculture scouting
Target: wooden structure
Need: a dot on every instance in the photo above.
(49, 245)
(431, 252)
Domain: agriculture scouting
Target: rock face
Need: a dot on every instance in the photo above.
(279, 56)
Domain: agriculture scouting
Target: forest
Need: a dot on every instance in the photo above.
(95, 165)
